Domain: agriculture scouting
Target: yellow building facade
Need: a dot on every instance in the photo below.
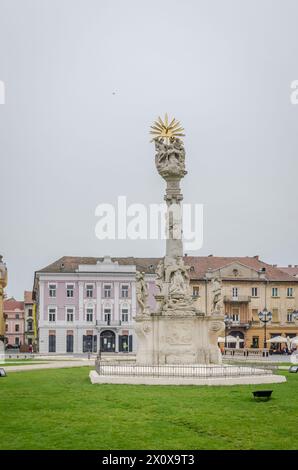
(248, 286)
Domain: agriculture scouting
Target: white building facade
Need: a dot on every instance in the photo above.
(86, 308)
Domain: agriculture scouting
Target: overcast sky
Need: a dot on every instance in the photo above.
(84, 81)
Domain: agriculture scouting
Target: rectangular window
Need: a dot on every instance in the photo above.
(30, 312)
(124, 291)
(17, 328)
(69, 290)
(107, 315)
(235, 292)
(6, 327)
(89, 291)
(196, 291)
(124, 315)
(107, 291)
(290, 316)
(274, 292)
(89, 314)
(52, 343)
(235, 317)
(17, 341)
(52, 290)
(255, 342)
(17, 316)
(69, 314)
(275, 315)
(290, 292)
(254, 292)
(69, 343)
(52, 314)
(255, 316)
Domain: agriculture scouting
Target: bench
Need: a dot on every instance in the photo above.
(262, 394)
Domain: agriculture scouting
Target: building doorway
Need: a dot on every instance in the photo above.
(89, 343)
(125, 343)
(107, 341)
(240, 339)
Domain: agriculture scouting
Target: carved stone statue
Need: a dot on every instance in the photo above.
(142, 292)
(217, 301)
(160, 275)
(170, 158)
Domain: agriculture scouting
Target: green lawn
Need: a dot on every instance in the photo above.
(60, 409)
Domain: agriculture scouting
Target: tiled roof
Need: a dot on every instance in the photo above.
(69, 264)
(28, 297)
(201, 265)
(292, 270)
(11, 304)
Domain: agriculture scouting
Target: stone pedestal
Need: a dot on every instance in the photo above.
(179, 338)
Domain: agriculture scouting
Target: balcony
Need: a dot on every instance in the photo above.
(239, 299)
(103, 323)
(240, 324)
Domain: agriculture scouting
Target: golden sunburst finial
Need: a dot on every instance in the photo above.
(165, 130)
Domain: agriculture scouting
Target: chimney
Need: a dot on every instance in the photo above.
(256, 257)
(274, 265)
(289, 265)
(209, 256)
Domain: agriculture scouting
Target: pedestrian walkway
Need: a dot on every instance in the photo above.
(50, 365)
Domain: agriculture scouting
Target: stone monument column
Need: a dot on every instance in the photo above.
(176, 333)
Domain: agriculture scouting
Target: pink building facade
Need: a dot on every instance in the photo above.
(14, 322)
(88, 304)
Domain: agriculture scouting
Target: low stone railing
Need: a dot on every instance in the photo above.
(246, 352)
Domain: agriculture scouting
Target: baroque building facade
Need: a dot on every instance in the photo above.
(248, 286)
(89, 304)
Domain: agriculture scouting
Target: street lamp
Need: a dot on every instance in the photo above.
(265, 317)
(228, 323)
(295, 314)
